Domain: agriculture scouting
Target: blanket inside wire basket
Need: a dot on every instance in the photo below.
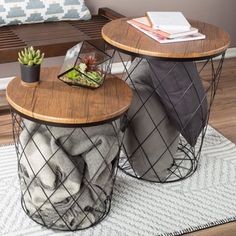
(66, 174)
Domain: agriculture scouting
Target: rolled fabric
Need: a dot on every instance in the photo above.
(150, 140)
(181, 92)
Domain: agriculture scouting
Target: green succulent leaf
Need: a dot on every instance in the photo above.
(22, 62)
(30, 63)
(25, 61)
(35, 60)
(37, 55)
(31, 49)
(33, 53)
(22, 53)
(20, 56)
(30, 56)
(39, 61)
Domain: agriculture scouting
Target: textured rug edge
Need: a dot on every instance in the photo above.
(201, 227)
(211, 224)
(6, 144)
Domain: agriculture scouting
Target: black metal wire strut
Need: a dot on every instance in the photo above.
(60, 206)
(185, 160)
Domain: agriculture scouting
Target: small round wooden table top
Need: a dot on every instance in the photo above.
(55, 102)
(121, 35)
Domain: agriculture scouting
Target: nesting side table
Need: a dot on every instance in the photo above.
(174, 77)
(67, 141)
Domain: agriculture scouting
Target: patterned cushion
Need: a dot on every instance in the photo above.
(14, 12)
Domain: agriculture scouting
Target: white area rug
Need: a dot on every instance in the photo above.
(140, 208)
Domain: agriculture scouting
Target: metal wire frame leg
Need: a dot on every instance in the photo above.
(186, 159)
(64, 205)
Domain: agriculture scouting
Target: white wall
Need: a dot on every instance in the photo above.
(219, 12)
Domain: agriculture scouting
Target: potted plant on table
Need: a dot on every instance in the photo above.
(30, 62)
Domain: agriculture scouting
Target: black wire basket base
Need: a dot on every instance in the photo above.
(184, 164)
(66, 174)
(90, 217)
(166, 124)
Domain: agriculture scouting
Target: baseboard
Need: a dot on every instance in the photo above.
(117, 68)
(5, 81)
(230, 53)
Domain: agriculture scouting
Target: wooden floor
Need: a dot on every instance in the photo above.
(223, 118)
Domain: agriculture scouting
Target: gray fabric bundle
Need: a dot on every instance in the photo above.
(181, 92)
(149, 156)
(77, 179)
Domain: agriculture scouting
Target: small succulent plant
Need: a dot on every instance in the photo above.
(30, 57)
(90, 62)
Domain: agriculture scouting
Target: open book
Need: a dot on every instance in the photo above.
(145, 24)
(168, 20)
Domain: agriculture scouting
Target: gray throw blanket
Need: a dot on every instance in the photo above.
(150, 150)
(74, 181)
(180, 90)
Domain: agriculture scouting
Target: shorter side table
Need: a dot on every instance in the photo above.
(67, 142)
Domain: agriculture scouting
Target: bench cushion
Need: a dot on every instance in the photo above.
(13, 12)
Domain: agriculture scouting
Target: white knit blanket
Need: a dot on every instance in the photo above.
(140, 208)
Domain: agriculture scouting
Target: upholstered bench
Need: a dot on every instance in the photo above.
(55, 38)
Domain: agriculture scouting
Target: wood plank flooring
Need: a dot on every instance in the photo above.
(5, 129)
(223, 118)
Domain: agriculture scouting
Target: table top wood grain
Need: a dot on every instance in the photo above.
(56, 102)
(121, 35)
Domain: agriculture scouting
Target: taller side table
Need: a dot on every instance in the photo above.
(67, 141)
(171, 73)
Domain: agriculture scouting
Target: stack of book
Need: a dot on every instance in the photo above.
(166, 27)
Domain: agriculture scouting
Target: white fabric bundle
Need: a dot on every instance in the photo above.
(74, 180)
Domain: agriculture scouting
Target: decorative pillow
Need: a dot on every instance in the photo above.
(180, 89)
(13, 12)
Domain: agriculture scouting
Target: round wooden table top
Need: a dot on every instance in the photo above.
(121, 35)
(56, 102)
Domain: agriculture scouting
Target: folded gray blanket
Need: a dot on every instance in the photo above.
(150, 150)
(73, 181)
